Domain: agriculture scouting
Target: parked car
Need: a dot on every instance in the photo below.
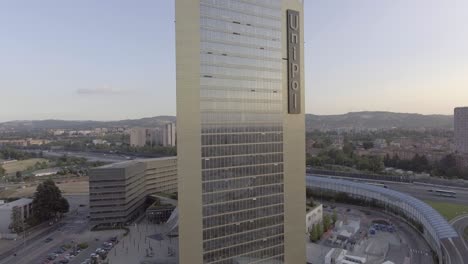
(48, 239)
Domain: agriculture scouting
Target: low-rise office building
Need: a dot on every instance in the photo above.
(118, 191)
(314, 216)
(6, 210)
(161, 175)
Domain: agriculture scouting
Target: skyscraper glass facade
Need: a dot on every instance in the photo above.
(241, 104)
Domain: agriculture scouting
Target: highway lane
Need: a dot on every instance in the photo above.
(460, 224)
(456, 253)
(421, 192)
(417, 190)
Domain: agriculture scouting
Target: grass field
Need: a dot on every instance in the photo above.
(21, 165)
(67, 187)
(7, 193)
(448, 210)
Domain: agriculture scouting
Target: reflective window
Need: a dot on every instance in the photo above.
(241, 130)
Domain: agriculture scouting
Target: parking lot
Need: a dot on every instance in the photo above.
(89, 246)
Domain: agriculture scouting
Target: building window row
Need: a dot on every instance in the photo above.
(243, 237)
(242, 194)
(212, 163)
(224, 139)
(244, 7)
(235, 228)
(241, 149)
(227, 185)
(242, 18)
(242, 206)
(230, 252)
(237, 217)
(255, 170)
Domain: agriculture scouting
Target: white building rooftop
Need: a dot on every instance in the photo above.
(19, 202)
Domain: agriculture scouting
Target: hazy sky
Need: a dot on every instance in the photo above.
(115, 59)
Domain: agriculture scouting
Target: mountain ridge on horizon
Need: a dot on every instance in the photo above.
(361, 120)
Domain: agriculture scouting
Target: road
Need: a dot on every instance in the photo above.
(418, 190)
(74, 223)
(460, 224)
(456, 248)
(456, 251)
(421, 192)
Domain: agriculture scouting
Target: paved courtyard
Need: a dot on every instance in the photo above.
(146, 243)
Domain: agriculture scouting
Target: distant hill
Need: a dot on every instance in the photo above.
(88, 124)
(378, 120)
(355, 120)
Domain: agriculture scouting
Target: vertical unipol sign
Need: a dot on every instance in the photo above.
(294, 62)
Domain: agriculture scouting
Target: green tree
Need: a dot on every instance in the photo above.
(2, 171)
(16, 225)
(19, 175)
(48, 201)
(368, 144)
(313, 235)
(334, 217)
(320, 229)
(376, 164)
(326, 222)
(63, 206)
(348, 149)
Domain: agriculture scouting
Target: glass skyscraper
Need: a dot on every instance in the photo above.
(240, 131)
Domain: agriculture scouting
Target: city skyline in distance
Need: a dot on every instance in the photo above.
(364, 119)
(390, 56)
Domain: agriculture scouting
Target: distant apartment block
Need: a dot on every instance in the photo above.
(118, 191)
(380, 143)
(461, 130)
(24, 142)
(100, 142)
(140, 137)
(57, 132)
(169, 135)
(6, 211)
